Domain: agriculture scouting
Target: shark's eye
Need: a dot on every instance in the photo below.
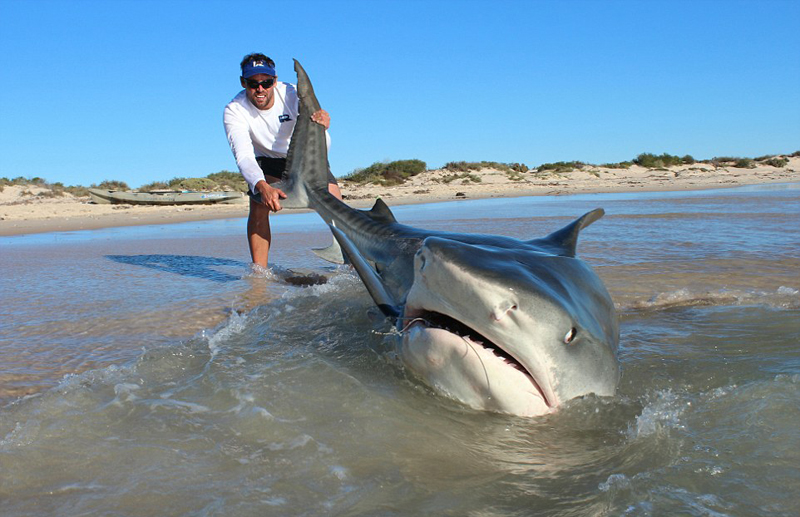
(570, 335)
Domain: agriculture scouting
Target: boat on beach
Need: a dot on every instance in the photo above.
(164, 197)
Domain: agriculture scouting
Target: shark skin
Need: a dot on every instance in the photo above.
(499, 324)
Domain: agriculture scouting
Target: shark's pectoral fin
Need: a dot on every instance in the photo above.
(332, 253)
(372, 281)
(567, 237)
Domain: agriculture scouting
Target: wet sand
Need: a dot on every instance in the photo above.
(28, 209)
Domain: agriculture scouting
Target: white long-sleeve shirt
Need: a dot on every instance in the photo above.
(253, 132)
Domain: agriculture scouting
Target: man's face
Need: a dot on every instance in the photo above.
(261, 97)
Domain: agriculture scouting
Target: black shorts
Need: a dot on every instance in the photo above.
(273, 169)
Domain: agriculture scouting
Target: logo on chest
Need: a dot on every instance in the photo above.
(285, 118)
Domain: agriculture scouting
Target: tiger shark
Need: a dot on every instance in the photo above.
(499, 324)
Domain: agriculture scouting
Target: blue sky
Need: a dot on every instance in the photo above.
(134, 90)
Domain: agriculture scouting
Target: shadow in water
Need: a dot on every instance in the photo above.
(186, 265)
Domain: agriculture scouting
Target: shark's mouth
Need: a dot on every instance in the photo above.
(438, 320)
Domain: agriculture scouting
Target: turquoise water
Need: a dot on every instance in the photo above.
(148, 371)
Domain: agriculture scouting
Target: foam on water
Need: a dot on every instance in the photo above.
(783, 297)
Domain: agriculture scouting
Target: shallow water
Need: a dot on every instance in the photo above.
(148, 371)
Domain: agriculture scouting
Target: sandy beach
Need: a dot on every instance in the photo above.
(28, 209)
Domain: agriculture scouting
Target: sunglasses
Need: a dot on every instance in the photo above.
(253, 84)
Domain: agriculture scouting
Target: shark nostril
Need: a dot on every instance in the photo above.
(499, 312)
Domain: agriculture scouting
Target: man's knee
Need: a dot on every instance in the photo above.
(259, 213)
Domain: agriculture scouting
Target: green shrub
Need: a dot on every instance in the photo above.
(777, 162)
(112, 185)
(20, 181)
(651, 161)
(620, 165)
(476, 166)
(560, 166)
(466, 177)
(174, 182)
(77, 191)
(744, 163)
(228, 180)
(387, 174)
(51, 193)
(461, 166)
(195, 184)
(156, 185)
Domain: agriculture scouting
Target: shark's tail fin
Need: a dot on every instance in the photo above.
(567, 237)
(307, 160)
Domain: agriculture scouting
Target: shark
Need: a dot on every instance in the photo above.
(496, 323)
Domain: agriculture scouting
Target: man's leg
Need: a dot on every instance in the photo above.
(333, 188)
(259, 235)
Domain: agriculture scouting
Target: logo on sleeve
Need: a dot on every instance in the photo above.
(284, 118)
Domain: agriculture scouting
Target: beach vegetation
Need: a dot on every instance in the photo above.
(51, 193)
(112, 185)
(477, 166)
(744, 163)
(194, 184)
(619, 165)
(466, 177)
(156, 185)
(174, 182)
(559, 167)
(474, 166)
(776, 162)
(387, 173)
(77, 190)
(20, 181)
(795, 154)
(652, 161)
(227, 180)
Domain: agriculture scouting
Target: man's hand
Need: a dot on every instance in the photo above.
(270, 196)
(322, 118)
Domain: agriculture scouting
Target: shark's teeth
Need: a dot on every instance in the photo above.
(442, 321)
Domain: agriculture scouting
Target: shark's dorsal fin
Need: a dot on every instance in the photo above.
(380, 213)
(373, 282)
(567, 237)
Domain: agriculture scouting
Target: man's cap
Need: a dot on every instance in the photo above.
(257, 66)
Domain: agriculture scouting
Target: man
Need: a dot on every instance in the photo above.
(258, 123)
